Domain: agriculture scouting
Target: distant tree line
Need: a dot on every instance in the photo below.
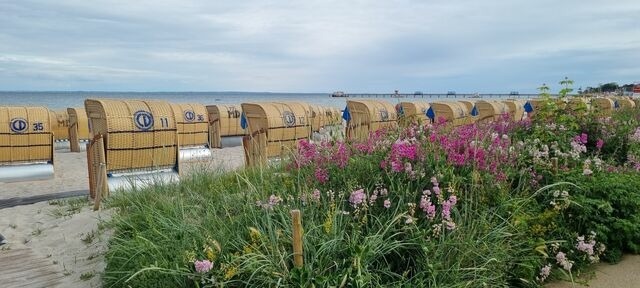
(611, 87)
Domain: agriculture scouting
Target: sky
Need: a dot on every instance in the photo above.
(317, 46)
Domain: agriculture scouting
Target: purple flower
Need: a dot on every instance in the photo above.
(583, 138)
(563, 261)
(203, 266)
(436, 190)
(544, 273)
(306, 152)
(357, 197)
(446, 210)
(322, 175)
(341, 156)
(599, 144)
(396, 166)
(453, 200)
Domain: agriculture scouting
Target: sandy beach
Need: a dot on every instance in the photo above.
(67, 237)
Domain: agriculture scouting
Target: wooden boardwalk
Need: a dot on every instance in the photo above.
(23, 268)
(16, 201)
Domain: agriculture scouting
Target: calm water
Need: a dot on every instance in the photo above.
(61, 100)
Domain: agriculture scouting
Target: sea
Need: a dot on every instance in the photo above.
(64, 99)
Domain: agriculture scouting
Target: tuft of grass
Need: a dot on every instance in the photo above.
(89, 237)
(68, 207)
(87, 276)
(36, 232)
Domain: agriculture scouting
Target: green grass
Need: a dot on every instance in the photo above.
(157, 228)
(506, 230)
(87, 276)
(68, 207)
(89, 237)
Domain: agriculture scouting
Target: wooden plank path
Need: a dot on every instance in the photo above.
(23, 268)
(16, 201)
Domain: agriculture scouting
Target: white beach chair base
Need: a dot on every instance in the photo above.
(194, 153)
(231, 141)
(26, 172)
(62, 145)
(127, 181)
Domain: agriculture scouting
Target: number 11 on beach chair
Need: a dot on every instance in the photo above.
(135, 144)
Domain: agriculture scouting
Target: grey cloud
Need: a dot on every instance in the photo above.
(315, 45)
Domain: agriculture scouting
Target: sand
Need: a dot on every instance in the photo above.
(70, 174)
(56, 234)
(625, 274)
(69, 234)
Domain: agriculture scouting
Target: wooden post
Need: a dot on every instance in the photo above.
(98, 199)
(102, 188)
(90, 170)
(245, 146)
(103, 167)
(298, 257)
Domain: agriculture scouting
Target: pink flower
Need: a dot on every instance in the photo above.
(453, 200)
(396, 166)
(274, 200)
(563, 261)
(306, 152)
(341, 156)
(544, 273)
(357, 197)
(322, 175)
(316, 195)
(583, 138)
(599, 144)
(387, 203)
(203, 266)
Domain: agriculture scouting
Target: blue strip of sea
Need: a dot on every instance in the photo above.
(64, 99)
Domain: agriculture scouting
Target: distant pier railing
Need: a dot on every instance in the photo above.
(445, 95)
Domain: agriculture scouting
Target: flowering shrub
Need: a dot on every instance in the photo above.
(424, 205)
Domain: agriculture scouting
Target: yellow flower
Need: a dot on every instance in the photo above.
(254, 234)
(211, 255)
(230, 272)
(328, 223)
(189, 256)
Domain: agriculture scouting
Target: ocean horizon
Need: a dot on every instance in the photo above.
(64, 99)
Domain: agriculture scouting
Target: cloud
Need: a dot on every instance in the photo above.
(485, 46)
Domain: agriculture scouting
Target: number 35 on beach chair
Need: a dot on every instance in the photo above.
(26, 144)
